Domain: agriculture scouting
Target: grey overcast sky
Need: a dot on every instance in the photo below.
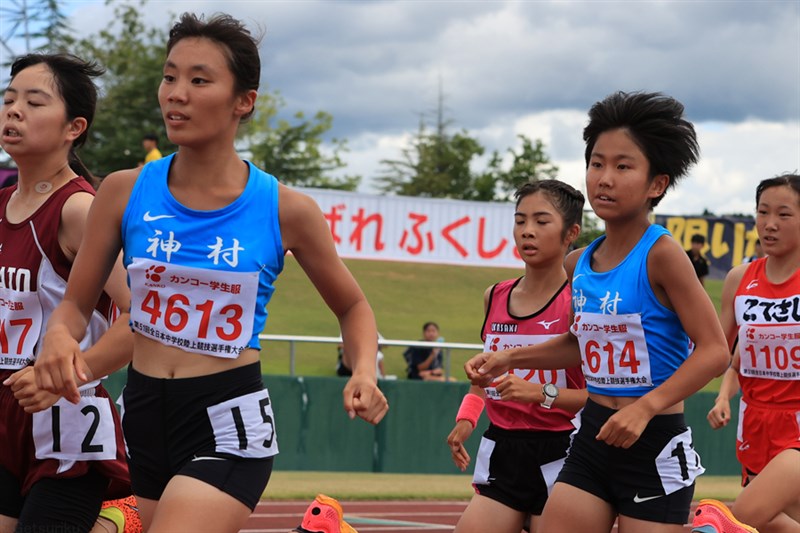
(532, 68)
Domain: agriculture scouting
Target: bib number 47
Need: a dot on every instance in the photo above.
(18, 330)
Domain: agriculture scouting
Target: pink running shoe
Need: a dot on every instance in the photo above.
(713, 516)
(324, 515)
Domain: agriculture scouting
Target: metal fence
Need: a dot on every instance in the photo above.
(446, 347)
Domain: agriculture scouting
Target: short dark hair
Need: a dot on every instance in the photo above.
(697, 238)
(789, 180)
(655, 123)
(426, 325)
(241, 48)
(150, 137)
(566, 199)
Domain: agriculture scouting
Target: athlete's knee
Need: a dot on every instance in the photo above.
(751, 513)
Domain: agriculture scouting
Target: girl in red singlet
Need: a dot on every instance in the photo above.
(761, 308)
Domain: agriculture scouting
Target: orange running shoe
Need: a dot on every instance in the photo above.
(124, 513)
(713, 516)
(324, 515)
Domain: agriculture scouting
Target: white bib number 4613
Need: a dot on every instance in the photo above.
(82, 432)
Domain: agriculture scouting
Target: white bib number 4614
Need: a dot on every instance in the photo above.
(82, 432)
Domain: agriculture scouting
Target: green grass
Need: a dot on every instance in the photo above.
(369, 486)
(403, 296)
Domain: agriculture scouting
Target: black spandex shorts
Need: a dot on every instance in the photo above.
(217, 428)
(652, 480)
(518, 468)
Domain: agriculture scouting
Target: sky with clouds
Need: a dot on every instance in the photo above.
(508, 68)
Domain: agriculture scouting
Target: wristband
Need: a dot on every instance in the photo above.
(471, 409)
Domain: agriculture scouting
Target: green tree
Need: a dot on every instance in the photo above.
(56, 33)
(436, 165)
(440, 165)
(31, 22)
(531, 164)
(590, 230)
(295, 151)
(133, 56)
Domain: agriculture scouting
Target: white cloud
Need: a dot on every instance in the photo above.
(734, 157)
(533, 68)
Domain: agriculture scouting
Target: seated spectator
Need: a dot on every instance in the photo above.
(379, 358)
(343, 370)
(425, 363)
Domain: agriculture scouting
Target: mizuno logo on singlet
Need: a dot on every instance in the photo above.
(546, 324)
(149, 218)
(752, 284)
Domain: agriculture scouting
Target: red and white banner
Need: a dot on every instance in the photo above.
(427, 230)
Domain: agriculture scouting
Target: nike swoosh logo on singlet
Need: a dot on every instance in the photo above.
(149, 218)
(637, 499)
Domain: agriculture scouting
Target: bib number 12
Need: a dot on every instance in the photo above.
(83, 432)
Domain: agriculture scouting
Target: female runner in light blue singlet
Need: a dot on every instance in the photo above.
(636, 303)
(203, 235)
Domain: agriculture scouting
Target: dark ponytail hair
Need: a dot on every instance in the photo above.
(73, 79)
(79, 168)
(565, 198)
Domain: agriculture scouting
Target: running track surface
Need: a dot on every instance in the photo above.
(365, 516)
